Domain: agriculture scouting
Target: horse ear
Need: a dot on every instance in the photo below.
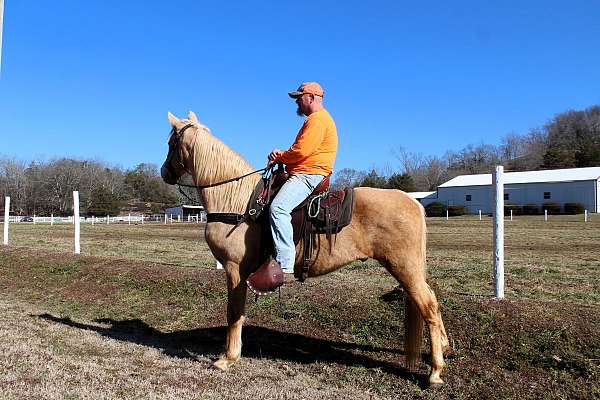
(173, 120)
(192, 117)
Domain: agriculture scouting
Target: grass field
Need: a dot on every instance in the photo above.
(141, 314)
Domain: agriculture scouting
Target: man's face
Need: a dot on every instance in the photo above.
(302, 101)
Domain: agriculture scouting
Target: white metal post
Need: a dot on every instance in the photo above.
(480, 215)
(165, 218)
(6, 215)
(511, 215)
(197, 218)
(546, 215)
(1, 25)
(34, 219)
(142, 219)
(92, 220)
(585, 216)
(129, 219)
(107, 219)
(446, 214)
(498, 184)
(51, 219)
(76, 220)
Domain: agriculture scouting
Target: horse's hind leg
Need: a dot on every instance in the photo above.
(425, 299)
(236, 303)
(412, 278)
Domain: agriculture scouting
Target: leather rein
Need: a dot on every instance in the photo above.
(228, 218)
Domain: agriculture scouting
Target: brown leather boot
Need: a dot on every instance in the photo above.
(266, 278)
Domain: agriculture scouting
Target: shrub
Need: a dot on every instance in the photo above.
(553, 208)
(435, 209)
(574, 208)
(531, 209)
(456, 210)
(516, 209)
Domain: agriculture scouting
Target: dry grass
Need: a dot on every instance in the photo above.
(140, 314)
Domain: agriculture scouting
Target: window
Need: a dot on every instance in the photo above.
(506, 196)
(546, 195)
(468, 197)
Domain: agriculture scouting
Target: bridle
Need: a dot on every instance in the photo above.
(174, 142)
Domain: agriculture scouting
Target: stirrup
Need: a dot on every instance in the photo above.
(266, 279)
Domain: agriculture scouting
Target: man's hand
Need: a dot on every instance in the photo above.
(273, 156)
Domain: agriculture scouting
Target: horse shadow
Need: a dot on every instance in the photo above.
(259, 343)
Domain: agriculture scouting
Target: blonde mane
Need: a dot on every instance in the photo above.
(214, 161)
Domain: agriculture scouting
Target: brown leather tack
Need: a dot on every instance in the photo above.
(266, 278)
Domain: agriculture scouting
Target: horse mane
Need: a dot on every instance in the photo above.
(214, 161)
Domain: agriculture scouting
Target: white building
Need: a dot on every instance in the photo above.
(573, 185)
(424, 198)
(184, 211)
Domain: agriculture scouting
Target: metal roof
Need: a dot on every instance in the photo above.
(420, 195)
(553, 175)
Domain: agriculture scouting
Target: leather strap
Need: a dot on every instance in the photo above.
(226, 218)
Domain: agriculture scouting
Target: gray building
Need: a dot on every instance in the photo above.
(573, 185)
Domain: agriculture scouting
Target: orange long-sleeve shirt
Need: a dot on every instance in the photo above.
(315, 147)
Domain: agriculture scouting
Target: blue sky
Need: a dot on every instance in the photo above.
(95, 79)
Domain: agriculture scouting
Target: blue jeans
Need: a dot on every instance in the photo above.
(293, 192)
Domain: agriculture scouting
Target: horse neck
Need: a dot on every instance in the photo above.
(214, 161)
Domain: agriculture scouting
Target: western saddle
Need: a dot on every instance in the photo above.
(323, 212)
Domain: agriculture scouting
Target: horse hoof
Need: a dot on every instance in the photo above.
(222, 364)
(436, 383)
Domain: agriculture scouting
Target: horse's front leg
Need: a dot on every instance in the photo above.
(236, 304)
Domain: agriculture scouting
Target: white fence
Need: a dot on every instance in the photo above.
(111, 220)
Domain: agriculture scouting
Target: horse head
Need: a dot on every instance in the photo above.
(181, 140)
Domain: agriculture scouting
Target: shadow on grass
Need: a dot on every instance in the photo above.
(259, 342)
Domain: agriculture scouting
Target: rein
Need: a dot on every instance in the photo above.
(222, 182)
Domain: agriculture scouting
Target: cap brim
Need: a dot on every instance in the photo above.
(295, 94)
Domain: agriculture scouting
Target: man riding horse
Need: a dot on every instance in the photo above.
(308, 161)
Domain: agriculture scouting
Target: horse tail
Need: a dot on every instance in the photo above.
(413, 332)
(413, 320)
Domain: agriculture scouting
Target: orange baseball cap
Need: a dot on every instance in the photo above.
(307, 88)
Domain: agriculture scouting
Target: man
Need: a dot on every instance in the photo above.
(308, 161)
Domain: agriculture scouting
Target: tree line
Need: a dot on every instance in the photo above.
(46, 187)
(569, 140)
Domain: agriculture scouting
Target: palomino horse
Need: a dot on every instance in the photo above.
(387, 225)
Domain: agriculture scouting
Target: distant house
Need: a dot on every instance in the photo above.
(572, 185)
(184, 211)
(424, 198)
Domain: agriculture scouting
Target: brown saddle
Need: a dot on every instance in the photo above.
(323, 212)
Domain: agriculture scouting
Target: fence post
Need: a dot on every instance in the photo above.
(92, 220)
(165, 218)
(545, 215)
(446, 214)
(76, 220)
(34, 219)
(107, 218)
(6, 216)
(498, 188)
(480, 215)
(585, 216)
(142, 219)
(51, 219)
